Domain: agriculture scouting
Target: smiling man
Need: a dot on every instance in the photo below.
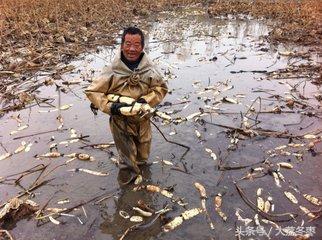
(127, 87)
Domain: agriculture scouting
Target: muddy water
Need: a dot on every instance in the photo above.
(194, 52)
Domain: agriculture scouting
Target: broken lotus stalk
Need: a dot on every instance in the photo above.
(203, 196)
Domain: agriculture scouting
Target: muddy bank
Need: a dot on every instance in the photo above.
(250, 118)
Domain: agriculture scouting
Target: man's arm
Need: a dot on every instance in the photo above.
(96, 93)
(158, 90)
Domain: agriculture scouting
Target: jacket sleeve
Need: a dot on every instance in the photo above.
(157, 90)
(97, 92)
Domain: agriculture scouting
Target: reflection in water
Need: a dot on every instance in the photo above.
(186, 35)
(117, 225)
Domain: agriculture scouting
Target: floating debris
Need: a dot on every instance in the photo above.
(307, 212)
(19, 129)
(163, 115)
(309, 136)
(66, 107)
(188, 214)
(153, 188)
(5, 156)
(193, 115)
(246, 221)
(166, 162)
(212, 154)
(50, 155)
(165, 193)
(198, 134)
(28, 147)
(276, 179)
(124, 214)
(218, 203)
(48, 111)
(103, 146)
(142, 212)
(172, 133)
(285, 165)
(267, 206)
(138, 180)
(64, 201)
(291, 197)
(60, 121)
(136, 219)
(259, 191)
(256, 220)
(229, 100)
(260, 203)
(80, 156)
(313, 200)
(177, 221)
(201, 190)
(101, 174)
(54, 221)
(203, 196)
(21, 148)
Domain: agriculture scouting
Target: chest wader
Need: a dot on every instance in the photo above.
(132, 140)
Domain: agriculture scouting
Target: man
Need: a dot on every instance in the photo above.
(127, 87)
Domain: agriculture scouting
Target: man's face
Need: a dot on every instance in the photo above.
(132, 47)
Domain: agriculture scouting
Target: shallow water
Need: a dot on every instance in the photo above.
(182, 45)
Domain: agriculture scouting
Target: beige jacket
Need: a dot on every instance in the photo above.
(145, 82)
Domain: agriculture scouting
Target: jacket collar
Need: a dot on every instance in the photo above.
(119, 67)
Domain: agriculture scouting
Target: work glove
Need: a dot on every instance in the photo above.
(116, 108)
(141, 100)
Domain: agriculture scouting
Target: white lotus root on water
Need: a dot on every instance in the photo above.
(276, 179)
(218, 203)
(291, 197)
(177, 221)
(142, 212)
(312, 199)
(285, 165)
(5, 155)
(101, 174)
(136, 219)
(80, 156)
(260, 203)
(51, 155)
(124, 214)
(267, 206)
(201, 190)
(307, 212)
(138, 180)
